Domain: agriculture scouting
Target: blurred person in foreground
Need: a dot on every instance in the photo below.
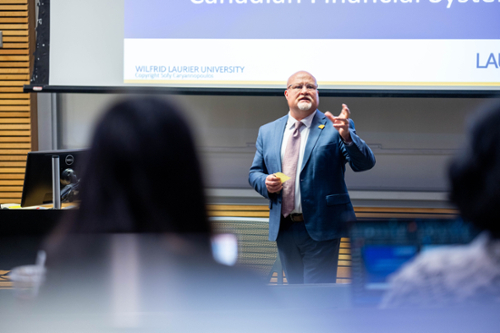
(142, 174)
(141, 241)
(465, 275)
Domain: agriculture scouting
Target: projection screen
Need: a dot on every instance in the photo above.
(349, 45)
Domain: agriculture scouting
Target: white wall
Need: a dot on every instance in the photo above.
(412, 138)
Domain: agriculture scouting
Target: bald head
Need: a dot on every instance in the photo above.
(300, 74)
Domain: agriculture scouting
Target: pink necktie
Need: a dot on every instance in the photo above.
(289, 166)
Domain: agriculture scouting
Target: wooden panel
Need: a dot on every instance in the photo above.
(14, 57)
(13, 195)
(14, 108)
(13, 83)
(14, 121)
(13, 1)
(239, 213)
(17, 77)
(11, 176)
(14, 127)
(15, 70)
(12, 170)
(12, 182)
(13, 152)
(14, 51)
(404, 216)
(15, 133)
(13, 7)
(15, 46)
(9, 200)
(21, 157)
(14, 102)
(238, 207)
(15, 145)
(11, 188)
(344, 272)
(10, 158)
(16, 33)
(16, 39)
(14, 139)
(15, 13)
(405, 210)
(14, 114)
(14, 96)
(13, 164)
(4, 20)
(11, 89)
(365, 212)
(13, 26)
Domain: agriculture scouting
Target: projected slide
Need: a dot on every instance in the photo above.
(346, 44)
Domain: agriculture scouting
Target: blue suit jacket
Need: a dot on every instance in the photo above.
(325, 202)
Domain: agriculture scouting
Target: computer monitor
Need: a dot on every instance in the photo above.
(380, 247)
(37, 189)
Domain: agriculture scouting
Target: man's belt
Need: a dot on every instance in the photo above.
(296, 217)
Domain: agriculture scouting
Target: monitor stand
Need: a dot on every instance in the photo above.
(56, 181)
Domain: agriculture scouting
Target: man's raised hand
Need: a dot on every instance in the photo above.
(341, 123)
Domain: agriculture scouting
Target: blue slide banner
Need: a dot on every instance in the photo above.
(313, 19)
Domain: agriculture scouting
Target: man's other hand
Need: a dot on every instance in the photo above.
(273, 184)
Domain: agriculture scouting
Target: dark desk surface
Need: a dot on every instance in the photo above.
(22, 232)
(22, 222)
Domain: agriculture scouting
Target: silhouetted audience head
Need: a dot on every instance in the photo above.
(142, 173)
(475, 174)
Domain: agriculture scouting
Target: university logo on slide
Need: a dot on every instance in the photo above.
(492, 60)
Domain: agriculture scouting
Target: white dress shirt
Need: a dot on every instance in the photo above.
(304, 134)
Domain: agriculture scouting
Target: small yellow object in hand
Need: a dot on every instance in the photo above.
(282, 176)
(321, 126)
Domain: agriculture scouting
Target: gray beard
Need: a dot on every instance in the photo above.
(305, 106)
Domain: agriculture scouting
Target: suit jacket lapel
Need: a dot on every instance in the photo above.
(314, 133)
(279, 131)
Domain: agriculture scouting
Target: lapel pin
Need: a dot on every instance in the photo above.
(321, 126)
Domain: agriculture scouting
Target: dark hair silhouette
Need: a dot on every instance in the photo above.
(142, 173)
(475, 174)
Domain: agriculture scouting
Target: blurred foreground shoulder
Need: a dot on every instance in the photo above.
(462, 275)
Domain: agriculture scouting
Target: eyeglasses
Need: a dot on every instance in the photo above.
(299, 87)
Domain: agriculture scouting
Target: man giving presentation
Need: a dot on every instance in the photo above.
(299, 166)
